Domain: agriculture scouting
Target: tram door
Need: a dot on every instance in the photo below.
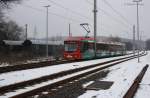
(87, 50)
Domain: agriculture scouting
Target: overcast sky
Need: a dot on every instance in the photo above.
(110, 22)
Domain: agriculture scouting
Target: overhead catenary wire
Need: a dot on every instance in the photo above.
(71, 20)
(110, 27)
(64, 17)
(69, 10)
(110, 16)
(74, 12)
(104, 28)
(58, 15)
(117, 12)
(114, 19)
(55, 14)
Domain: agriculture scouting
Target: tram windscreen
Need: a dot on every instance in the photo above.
(70, 47)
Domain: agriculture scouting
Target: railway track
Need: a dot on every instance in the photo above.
(32, 65)
(134, 87)
(36, 65)
(59, 78)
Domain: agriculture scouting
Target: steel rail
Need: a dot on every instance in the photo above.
(134, 87)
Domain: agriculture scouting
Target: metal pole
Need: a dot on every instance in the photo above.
(35, 39)
(95, 25)
(69, 30)
(134, 39)
(138, 29)
(35, 32)
(26, 31)
(47, 30)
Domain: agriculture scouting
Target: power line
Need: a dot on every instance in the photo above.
(74, 12)
(109, 15)
(106, 13)
(61, 6)
(117, 12)
(110, 27)
(55, 14)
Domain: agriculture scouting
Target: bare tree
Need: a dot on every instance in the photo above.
(7, 3)
(9, 30)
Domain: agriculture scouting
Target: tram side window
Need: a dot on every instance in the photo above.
(86, 47)
(70, 47)
(102, 47)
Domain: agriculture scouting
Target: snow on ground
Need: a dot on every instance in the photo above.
(37, 60)
(123, 76)
(29, 88)
(4, 65)
(144, 88)
(24, 75)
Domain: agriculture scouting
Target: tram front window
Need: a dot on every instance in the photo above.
(70, 47)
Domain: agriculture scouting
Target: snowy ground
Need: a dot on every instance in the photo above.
(24, 75)
(37, 60)
(119, 74)
(144, 89)
(16, 78)
(123, 76)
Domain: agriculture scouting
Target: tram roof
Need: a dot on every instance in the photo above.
(79, 39)
(112, 43)
(91, 39)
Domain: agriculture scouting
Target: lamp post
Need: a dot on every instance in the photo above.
(138, 27)
(47, 29)
(134, 39)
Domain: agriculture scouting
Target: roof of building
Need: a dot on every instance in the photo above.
(10, 42)
(36, 42)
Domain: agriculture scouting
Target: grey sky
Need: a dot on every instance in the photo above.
(109, 23)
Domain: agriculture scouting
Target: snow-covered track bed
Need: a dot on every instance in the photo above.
(34, 86)
(18, 67)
